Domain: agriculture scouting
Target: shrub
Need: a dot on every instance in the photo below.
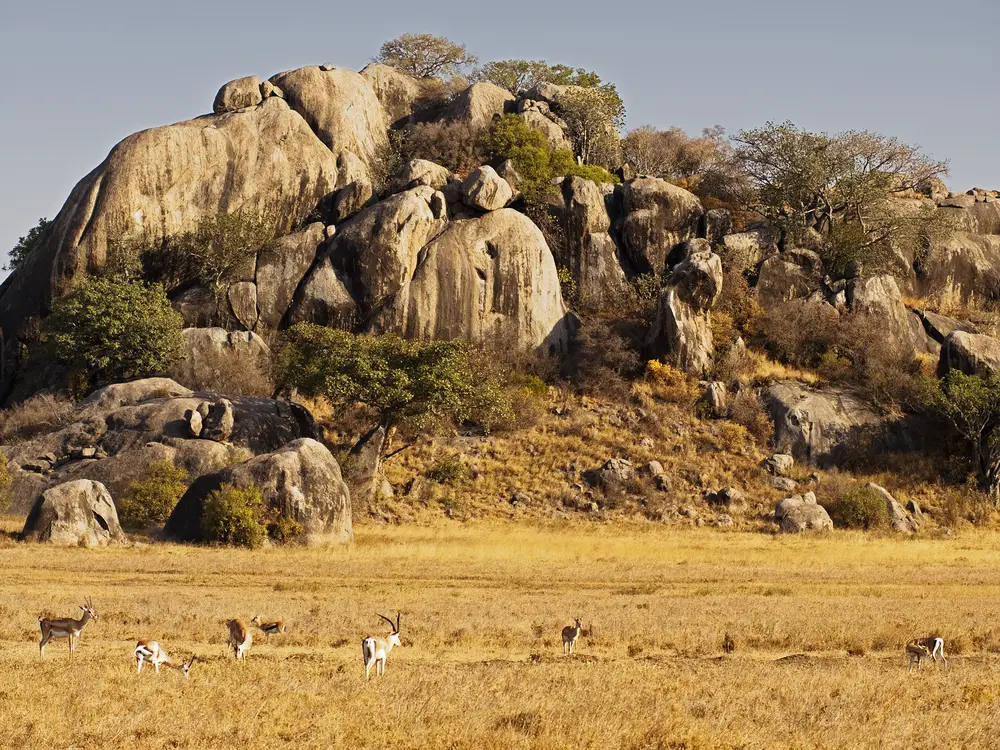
(6, 480)
(603, 359)
(42, 413)
(152, 499)
(224, 246)
(671, 385)
(448, 470)
(454, 145)
(859, 508)
(510, 137)
(111, 329)
(748, 409)
(284, 529)
(234, 516)
(27, 244)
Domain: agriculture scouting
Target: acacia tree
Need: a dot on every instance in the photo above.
(425, 55)
(840, 186)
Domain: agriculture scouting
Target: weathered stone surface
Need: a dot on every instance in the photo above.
(806, 518)
(789, 275)
(280, 269)
(658, 217)
(593, 257)
(75, 513)
(417, 172)
(779, 464)
(397, 91)
(243, 303)
(545, 124)
(717, 399)
(208, 350)
(486, 190)
(219, 423)
(478, 105)
(939, 326)
(616, 473)
(301, 481)
(324, 299)
(899, 519)
(363, 471)
(195, 422)
(351, 199)
(960, 266)
(971, 353)
(238, 94)
(795, 501)
(115, 396)
(879, 297)
(748, 249)
(730, 498)
(342, 109)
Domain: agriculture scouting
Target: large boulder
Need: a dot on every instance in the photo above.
(747, 249)
(164, 181)
(478, 105)
(105, 400)
(486, 190)
(593, 256)
(351, 199)
(207, 352)
(960, 266)
(342, 109)
(789, 275)
(879, 298)
(806, 517)
(300, 481)
(418, 172)
(682, 331)
(79, 513)
(238, 94)
(242, 297)
(658, 217)
(363, 469)
(280, 269)
(397, 91)
(971, 353)
(488, 276)
(938, 326)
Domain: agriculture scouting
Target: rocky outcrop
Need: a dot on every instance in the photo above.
(879, 298)
(485, 190)
(747, 249)
(899, 519)
(79, 513)
(397, 91)
(239, 94)
(960, 266)
(478, 105)
(682, 332)
(789, 275)
(207, 351)
(300, 482)
(971, 353)
(658, 217)
(363, 470)
(280, 269)
(593, 256)
(342, 109)
(419, 172)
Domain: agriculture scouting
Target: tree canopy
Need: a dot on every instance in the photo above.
(26, 244)
(425, 55)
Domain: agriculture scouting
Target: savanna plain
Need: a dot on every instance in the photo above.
(813, 629)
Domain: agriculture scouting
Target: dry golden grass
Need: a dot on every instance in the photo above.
(481, 667)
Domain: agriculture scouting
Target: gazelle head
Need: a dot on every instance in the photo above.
(186, 666)
(257, 620)
(88, 608)
(394, 633)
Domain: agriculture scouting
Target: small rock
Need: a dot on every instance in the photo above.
(194, 422)
(724, 521)
(486, 190)
(914, 508)
(593, 508)
(218, 425)
(699, 522)
(519, 498)
(327, 67)
(662, 482)
(806, 517)
(779, 464)
(730, 497)
(717, 399)
(616, 473)
(654, 468)
(784, 484)
(647, 444)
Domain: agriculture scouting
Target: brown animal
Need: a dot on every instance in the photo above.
(65, 627)
(240, 639)
(269, 628)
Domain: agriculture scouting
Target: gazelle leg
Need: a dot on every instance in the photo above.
(156, 667)
(138, 664)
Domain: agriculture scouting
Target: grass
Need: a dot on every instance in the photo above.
(481, 664)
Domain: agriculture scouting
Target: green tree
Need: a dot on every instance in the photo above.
(518, 76)
(26, 244)
(111, 328)
(592, 117)
(842, 187)
(425, 55)
(224, 246)
(971, 404)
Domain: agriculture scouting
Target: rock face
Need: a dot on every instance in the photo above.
(418, 172)
(658, 217)
(164, 181)
(486, 190)
(301, 481)
(880, 298)
(478, 105)
(682, 332)
(789, 275)
(281, 267)
(75, 513)
(397, 91)
(971, 353)
(341, 108)
(593, 257)
(238, 94)
(207, 350)
(352, 198)
(939, 326)
(960, 266)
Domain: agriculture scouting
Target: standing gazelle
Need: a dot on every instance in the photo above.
(65, 627)
(240, 639)
(269, 628)
(375, 649)
(151, 650)
(571, 634)
(925, 648)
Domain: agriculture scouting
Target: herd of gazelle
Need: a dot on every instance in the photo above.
(374, 649)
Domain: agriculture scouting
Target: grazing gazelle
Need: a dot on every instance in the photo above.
(151, 650)
(240, 639)
(269, 628)
(375, 649)
(65, 627)
(571, 634)
(926, 648)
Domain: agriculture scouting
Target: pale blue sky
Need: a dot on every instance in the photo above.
(83, 75)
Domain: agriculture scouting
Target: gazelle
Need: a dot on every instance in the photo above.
(240, 639)
(269, 628)
(65, 627)
(926, 648)
(375, 649)
(571, 634)
(151, 650)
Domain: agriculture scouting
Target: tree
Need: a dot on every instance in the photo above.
(971, 404)
(840, 186)
(26, 244)
(673, 155)
(224, 246)
(110, 328)
(425, 55)
(592, 117)
(409, 384)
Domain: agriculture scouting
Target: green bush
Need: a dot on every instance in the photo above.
(110, 329)
(284, 529)
(859, 508)
(232, 515)
(152, 499)
(448, 470)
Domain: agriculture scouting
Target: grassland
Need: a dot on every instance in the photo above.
(481, 664)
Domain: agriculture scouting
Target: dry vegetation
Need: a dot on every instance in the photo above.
(480, 665)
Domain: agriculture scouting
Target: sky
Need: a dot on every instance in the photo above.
(81, 76)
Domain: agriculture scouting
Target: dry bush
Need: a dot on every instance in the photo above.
(668, 384)
(747, 409)
(605, 358)
(453, 145)
(39, 414)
